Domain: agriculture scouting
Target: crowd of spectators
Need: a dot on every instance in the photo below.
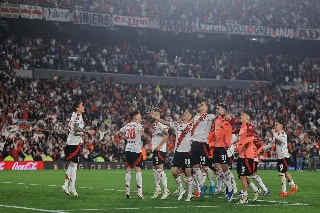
(35, 113)
(30, 52)
(293, 13)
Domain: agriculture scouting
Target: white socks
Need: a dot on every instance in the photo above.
(220, 179)
(283, 182)
(73, 175)
(157, 179)
(253, 187)
(209, 175)
(228, 180)
(138, 179)
(196, 183)
(291, 183)
(128, 180)
(139, 182)
(199, 176)
(163, 178)
(190, 185)
(260, 182)
(178, 181)
(67, 178)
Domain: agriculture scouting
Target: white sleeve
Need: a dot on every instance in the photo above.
(212, 116)
(282, 138)
(173, 125)
(141, 128)
(123, 129)
(269, 145)
(230, 150)
(162, 126)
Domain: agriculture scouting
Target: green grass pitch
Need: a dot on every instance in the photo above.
(104, 191)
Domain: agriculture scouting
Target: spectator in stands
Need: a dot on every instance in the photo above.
(313, 157)
(37, 156)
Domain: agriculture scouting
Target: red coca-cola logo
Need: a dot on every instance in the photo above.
(2, 166)
(28, 166)
(21, 165)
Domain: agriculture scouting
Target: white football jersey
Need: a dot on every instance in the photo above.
(280, 139)
(157, 136)
(133, 136)
(72, 138)
(183, 133)
(201, 127)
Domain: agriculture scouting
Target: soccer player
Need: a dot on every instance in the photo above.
(133, 132)
(246, 156)
(159, 138)
(200, 148)
(280, 139)
(222, 137)
(230, 153)
(182, 158)
(76, 132)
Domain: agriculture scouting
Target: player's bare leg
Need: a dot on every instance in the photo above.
(244, 198)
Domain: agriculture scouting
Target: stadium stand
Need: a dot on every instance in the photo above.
(35, 112)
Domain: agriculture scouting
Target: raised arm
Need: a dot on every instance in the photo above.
(78, 130)
(159, 119)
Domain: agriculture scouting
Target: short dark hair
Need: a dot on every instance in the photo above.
(223, 106)
(248, 112)
(76, 104)
(134, 113)
(190, 111)
(282, 123)
(156, 109)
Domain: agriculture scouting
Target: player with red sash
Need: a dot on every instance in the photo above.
(159, 148)
(182, 158)
(281, 141)
(200, 146)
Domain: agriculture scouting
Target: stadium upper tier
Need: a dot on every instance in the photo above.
(261, 12)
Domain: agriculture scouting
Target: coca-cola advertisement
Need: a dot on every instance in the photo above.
(21, 165)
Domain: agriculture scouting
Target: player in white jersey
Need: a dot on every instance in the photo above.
(280, 139)
(200, 146)
(182, 158)
(133, 132)
(74, 140)
(159, 138)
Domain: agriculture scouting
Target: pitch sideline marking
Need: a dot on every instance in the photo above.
(34, 209)
(179, 207)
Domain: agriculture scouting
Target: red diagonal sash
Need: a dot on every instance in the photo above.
(183, 134)
(202, 117)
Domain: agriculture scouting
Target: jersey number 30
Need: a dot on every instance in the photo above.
(131, 133)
